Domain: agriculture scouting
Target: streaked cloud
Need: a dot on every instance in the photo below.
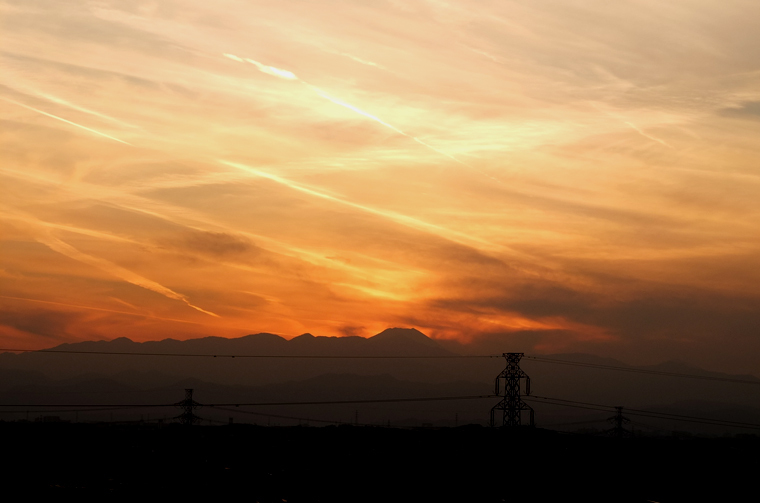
(66, 121)
(120, 272)
(269, 70)
(284, 74)
(396, 217)
(574, 176)
(645, 135)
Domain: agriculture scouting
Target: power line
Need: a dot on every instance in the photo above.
(644, 413)
(262, 404)
(101, 405)
(603, 408)
(642, 371)
(574, 423)
(283, 417)
(218, 355)
(227, 407)
(512, 405)
(99, 409)
(188, 406)
(338, 402)
(540, 359)
(305, 419)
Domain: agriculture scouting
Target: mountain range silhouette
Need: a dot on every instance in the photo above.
(144, 377)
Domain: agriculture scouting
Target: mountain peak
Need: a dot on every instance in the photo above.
(403, 335)
(305, 336)
(122, 340)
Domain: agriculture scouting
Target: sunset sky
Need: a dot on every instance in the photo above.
(535, 175)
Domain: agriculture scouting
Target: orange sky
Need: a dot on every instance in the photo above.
(528, 175)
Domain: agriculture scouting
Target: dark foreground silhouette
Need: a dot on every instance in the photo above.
(355, 464)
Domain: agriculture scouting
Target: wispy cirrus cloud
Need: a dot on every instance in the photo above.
(573, 226)
(46, 114)
(118, 271)
(284, 74)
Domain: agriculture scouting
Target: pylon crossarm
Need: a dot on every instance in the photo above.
(511, 403)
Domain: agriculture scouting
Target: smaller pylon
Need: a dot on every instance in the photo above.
(618, 420)
(188, 406)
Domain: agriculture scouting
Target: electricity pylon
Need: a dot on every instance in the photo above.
(188, 405)
(511, 404)
(618, 420)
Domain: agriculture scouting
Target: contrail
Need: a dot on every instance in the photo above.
(118, 271)
(69, 104)
(377, 119)
(358, 60)
(390, 126)
(91, 308)
(141, 205)
(270, 70)
(284, 74)
(64, 120)
(353, 108)
(632, 126)
(642, 133)
(11, 214)
(20, 85)
(396, 217)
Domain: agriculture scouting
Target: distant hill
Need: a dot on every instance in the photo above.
(269, 367)
(243, 369)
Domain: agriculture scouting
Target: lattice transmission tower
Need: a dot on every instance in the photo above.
(188, 406)
(511, 405)
(618, 420)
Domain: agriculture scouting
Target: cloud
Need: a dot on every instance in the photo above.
(571, 228)
(290, 76)
(269, 70)
(216, 244)
(50, 324)
(360, 60)
(79, 307)
(78, 108)
(649, 323)
(66, 121)
(353, 331)
(396, 217)
(120, 272)
(747, 110)
(646, 135)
